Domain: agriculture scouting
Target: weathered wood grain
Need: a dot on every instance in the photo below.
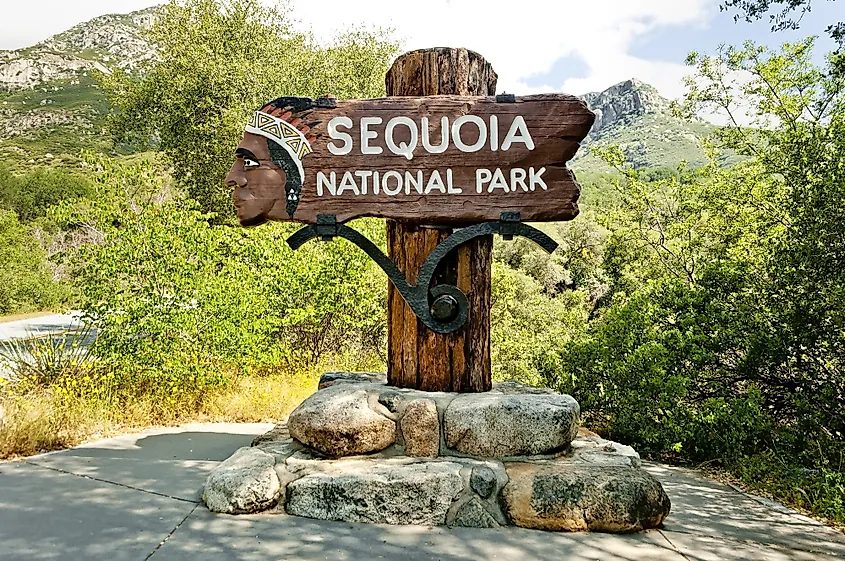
(557, 124)
(419, 358)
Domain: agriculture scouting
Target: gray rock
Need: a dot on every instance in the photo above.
(598, 451)
(563, 496)
(498, 426)
(243, 484)
(331, 378)
(281, 449)
(382, 493)
(119, 35)
(338, 421)
(421, 429)
(391, 400)
(625, 100)
(472, 514)
(279, 432)
(483, 481)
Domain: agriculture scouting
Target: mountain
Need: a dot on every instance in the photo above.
(50, 105)
(635, 117)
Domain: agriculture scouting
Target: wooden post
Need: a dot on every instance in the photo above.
(417, 357)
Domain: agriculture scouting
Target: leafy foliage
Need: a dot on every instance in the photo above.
(752, 10)
(26, 282)
(217, 62)
(720, 335)
(170, 292)
(531, 329)
(30, 195)
(39, 362)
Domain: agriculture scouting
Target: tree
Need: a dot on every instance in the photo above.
(217, 61)
(32, 194)
(782, 20)
(182, 299)
(799, 140)
(26, 282)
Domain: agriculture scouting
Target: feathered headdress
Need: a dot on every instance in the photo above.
(281, 121)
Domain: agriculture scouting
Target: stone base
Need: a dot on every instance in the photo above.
(355, 414)
(586, 484)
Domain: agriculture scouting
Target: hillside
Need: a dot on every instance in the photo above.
(635, 117)
(50, 106)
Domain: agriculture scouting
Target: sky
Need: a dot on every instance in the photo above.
(572, 46)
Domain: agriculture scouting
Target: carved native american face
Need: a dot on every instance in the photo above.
(267, 174)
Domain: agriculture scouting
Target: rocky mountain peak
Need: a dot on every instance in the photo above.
(110, 41)
(117, 38)
(622, 103)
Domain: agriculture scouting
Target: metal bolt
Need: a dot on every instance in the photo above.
(444, 308)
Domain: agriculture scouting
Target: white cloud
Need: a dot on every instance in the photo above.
(521, 38)
(524, 38)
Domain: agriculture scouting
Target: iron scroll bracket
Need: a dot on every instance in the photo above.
(442, 308)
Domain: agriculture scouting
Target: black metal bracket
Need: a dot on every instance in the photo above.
(506, 98)
(443, 308)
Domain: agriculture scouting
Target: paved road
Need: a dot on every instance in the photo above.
(39, 326)
(136, 498)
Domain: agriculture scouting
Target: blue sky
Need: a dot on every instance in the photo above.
(671, 43)
(574, 46)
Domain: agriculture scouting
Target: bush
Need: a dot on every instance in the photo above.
(39, 362)
(32, 194)
(26, 282)
(174, 294)
(530, 330)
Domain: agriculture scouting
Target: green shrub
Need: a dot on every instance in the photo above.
(530, 329)
(173, 293)
(26, 282)
(39, 362)
(30, 195)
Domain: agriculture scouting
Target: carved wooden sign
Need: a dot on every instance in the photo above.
(440, 159)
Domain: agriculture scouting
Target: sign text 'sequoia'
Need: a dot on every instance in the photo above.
(443, 159)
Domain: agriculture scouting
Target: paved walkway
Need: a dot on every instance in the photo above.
(136, 498)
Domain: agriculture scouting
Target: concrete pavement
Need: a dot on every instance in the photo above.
(136, 498)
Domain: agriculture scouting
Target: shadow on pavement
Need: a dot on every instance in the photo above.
(704, 507)
(167, 462)
(286, 537)
(135, 490)
(49, 515)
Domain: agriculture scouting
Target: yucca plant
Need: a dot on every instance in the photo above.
(40, 361)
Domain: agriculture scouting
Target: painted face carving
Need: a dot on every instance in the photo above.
(256, 180)
(267, 175)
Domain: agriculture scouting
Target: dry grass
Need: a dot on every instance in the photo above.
(44, 420)
(263, 399)
(39, 422)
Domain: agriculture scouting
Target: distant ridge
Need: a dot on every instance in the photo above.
(114, 40)
(634, 116)
(51, 107)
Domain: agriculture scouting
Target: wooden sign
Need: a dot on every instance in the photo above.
(440, 159)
